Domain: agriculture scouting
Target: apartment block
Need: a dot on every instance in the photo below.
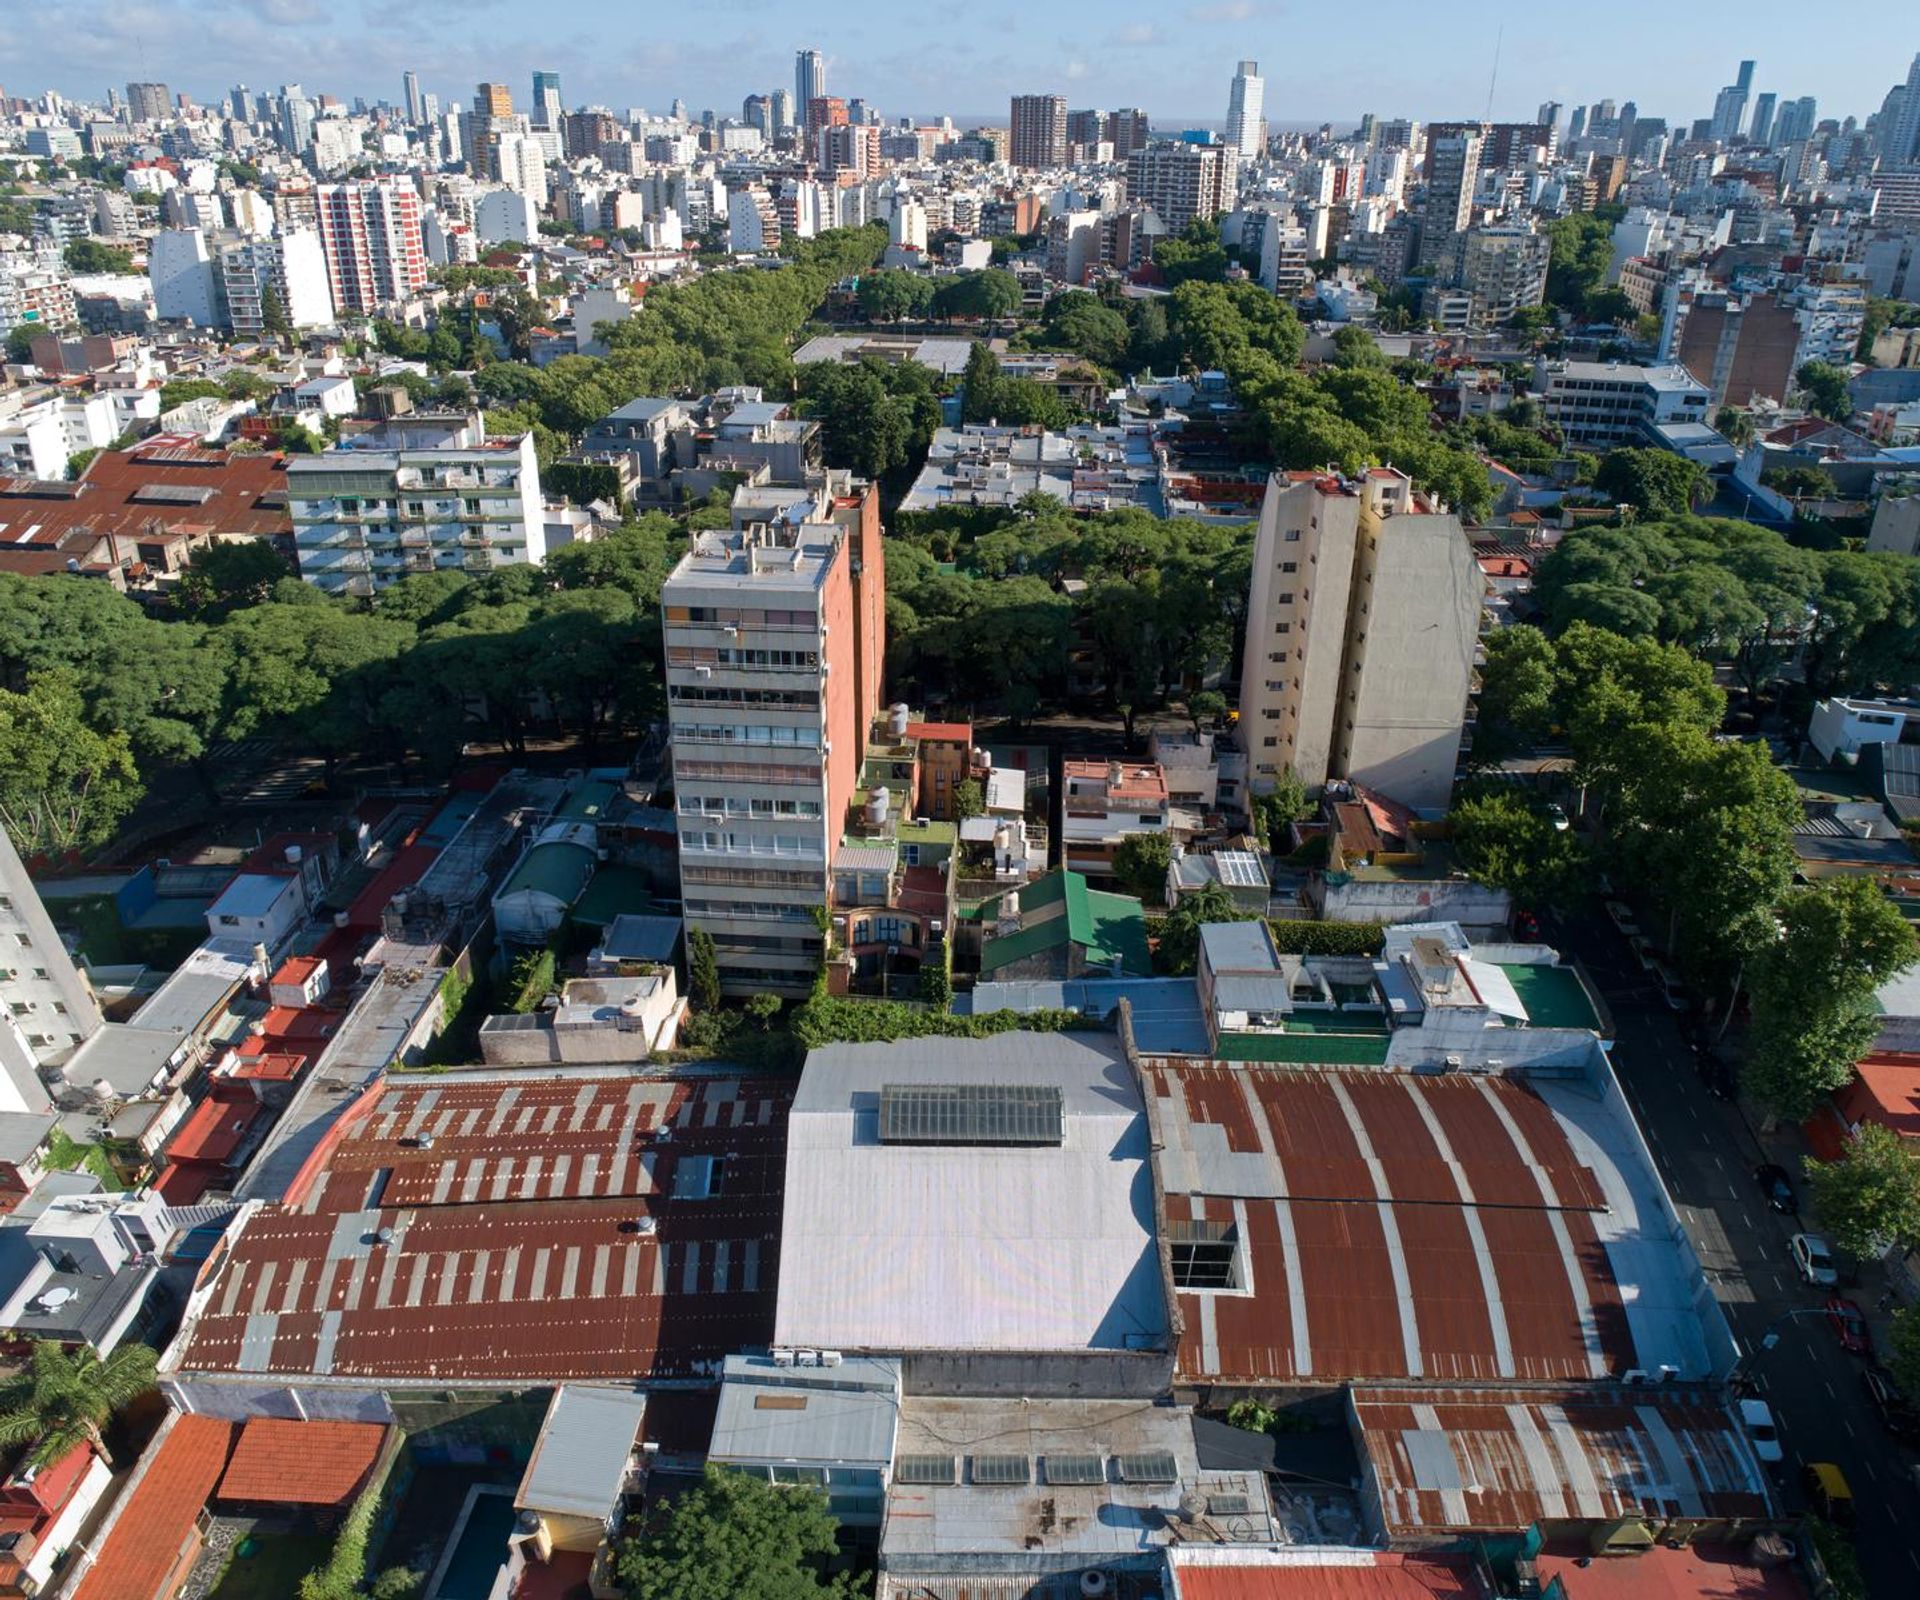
(1605, 403)
(47, 1009)
(1038, 131)
(293, 266)
(1362, 625)
(1182, 181)
(774, 634)
(371, 235)
(417, 494)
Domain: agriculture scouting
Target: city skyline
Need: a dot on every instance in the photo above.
(1177, 61)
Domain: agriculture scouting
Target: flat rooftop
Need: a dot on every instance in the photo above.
(1384, 1225)
(487, 1227)
(960, 1241)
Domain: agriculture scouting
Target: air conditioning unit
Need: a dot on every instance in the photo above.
(831, 1358)
(806, 1358)
(782, 1358)
(1633, 1377)
(703, 672)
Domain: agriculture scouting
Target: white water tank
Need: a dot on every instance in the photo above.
(877, 800)
(294, 854)
(898, 717)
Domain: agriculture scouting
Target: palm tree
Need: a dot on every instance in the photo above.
(61, 1396)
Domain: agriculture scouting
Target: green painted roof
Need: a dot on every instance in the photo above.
(1305, 1049)
(1108, 927)
(555, 868)
(614, 892)
(1554, 996)
(589, 802)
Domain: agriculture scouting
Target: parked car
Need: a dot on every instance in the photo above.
(1645, 951)
(1828, 1492)
(1557, 815)
(1620, 914)
(1849, 1326)
(1896, 1412)
(1813, 1260)
(1757, 1417)
(1777, 1188)
(1672, 990)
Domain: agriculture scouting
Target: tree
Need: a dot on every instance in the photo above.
(1276, 812)
(1509, 843)
(1080, 322)
(1140, 864)
(736, 1537)
(63, 786)
(703, 970)
(894, 296)
(231, 573)
(1824, 388)
(273, 313)
(1656, 483)
(1903, 1348)
(1734, 425)
(1869, 1200)
(763, 1009)
(968, 799)
(61, 1397)
(1179, 947)
(1813, 1013)
(90, 255)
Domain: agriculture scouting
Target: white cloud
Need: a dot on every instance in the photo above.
(1225, 11)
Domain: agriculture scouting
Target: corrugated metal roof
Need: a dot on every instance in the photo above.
(580, 1460)
(1454, 1460)
(894, 1248)
(844, 1413)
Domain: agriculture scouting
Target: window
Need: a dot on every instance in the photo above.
(1293, 536)
(1283, 627)
(1289, 566)
(1205, 1255)
(1284, 598)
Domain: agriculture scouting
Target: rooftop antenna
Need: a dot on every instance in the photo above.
(1498, 37)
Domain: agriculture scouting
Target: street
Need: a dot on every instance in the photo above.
(1707, 1153)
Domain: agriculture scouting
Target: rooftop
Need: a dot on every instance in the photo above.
(1059, 909)
(887, 1247)
(281, 1462)
(580, 1461)
(144, 1541)
(167, 480)
(1386, 1225)
(484, 1227)
(1453, 1460)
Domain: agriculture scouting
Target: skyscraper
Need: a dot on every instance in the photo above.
(149, 102)
(1762, 130)
(1794, 121)
(1730, 105)
(410, 83)
(809, 77)
(1037, 135)
(547, 107)
(1246, 130)
(1901, 143)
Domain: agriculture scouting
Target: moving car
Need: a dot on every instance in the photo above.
(1621, 916)
(1897, 1414)
(1777, 1187)
(1813, 1260)
(1757, 1417)
(1849, 1325)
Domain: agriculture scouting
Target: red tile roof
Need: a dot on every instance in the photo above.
(1886, 1090)
(513, 1253)
(297, 969)
(1374, 1576)
(150, 1548)
(945, 732)
(285, 1463)
(216, 1129)
(1694, 1572)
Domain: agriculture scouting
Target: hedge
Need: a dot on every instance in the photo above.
(1327, 938)
(828, 1019)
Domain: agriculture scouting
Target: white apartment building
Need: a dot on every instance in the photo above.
(47, 1009)
(1103, 803)
(753, 223)
(1246, 127)
(1362, 625)
(420, 494)
(39, 430)
(180, 268)
(292, 265)
(1182, 181)
(1600, 403)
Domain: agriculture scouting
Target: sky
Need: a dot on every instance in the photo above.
(1419, 58)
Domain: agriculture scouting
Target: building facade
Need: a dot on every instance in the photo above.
(1038, 131)
(773, 635)
(1246, 126)
(1182, 181)
(47, 1008)
(370, 235)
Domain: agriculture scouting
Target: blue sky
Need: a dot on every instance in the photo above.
(1421, 58)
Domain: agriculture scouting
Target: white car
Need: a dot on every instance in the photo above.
(1621, 915)
(1813, 1260)
(1757, 1417)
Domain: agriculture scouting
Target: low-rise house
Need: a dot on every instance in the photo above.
(1105, 803)
(625, 1017)
(1058, 927)
(1383, 865)
(1841, 727)
(1240, 872)
(574, 1491)
(42, 1510)
(812, 1416)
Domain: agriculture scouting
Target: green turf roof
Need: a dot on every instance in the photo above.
(1554, 996)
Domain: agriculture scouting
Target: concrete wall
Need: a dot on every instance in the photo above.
(1474, 906)
(1109, 1374)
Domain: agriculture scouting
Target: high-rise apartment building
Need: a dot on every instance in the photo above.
(1453, 171)
(1762, 130)
(284, 272)
(47, 1009)
(1127, 131)
(424, 493)
(149, 102)
(1182, 181)
(1037, 131)
(491, 116)
(1362, 622)
(774, 635)
(1794, 122)
(1246, 124)
(1901, 142)
(547, 109)
(809, 77)
(822, 112)
(371, 235)
(1503, 268)
(410, 87)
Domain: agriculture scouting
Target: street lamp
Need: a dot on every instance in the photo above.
(1769, 1337)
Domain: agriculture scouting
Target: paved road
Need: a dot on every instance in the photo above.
(1706, 1153)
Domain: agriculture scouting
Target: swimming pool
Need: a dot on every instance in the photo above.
(469, 1569)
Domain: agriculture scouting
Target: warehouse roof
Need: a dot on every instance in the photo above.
(977, 1245)
(486, 1226)
(1377, 1225)
(1468, 1460)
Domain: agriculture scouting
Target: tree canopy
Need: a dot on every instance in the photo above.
(736, 1537)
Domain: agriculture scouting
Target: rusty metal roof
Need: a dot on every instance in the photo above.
(1386, 1225)
(490, 1227)
(1461, 1460)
